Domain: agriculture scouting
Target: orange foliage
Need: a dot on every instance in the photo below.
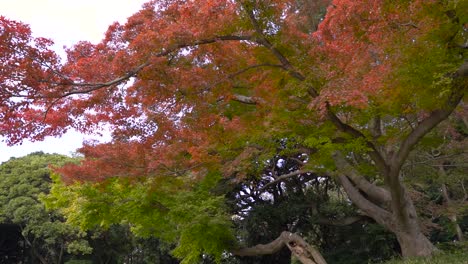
(164, 80)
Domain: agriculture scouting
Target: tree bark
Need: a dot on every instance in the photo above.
(303, 251)
(452, 215)
(398, 216)
(414, 243)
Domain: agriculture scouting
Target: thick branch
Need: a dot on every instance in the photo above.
(373, 191)
(380, 215)
(306, 253)
(419, 132)
(376, 127)
(373, 153)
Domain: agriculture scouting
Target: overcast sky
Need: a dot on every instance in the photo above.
(66, 22)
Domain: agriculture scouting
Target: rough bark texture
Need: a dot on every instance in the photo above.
(414, 243)
(399, 216)
(302, 250)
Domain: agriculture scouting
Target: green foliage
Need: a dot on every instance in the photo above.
(164, 207)
(203, 226)
(426, 65)
(22, 182)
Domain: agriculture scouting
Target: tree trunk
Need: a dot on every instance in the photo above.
(62, 246)
(414, 243)
(303, 251)
(458, 229)
(394, 210)
(452, 215)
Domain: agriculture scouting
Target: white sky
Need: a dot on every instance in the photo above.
(66, 22)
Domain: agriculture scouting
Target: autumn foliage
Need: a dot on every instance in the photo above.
(191, 87)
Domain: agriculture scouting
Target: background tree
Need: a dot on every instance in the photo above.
(47, 236)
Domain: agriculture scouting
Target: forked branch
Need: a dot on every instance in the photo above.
(373, 191)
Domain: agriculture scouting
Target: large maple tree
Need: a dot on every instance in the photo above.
(190, 88)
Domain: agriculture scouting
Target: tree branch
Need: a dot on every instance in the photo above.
(343, 127)
(381, 195)
(135, 71)
(418, 133)
(434, 118)
(91, 87)
(380, 215)
(278, 180)
(306, 253)
(375, 155)
(247, 99)
(262, 40)
(376, 129)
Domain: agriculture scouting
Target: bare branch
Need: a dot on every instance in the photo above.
(247, 99)
(306, 253)
(373, 191)
(380, 215)
(284, 177)
(278, 180)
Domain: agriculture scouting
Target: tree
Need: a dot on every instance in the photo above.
(187, 96)
(47, 236)
(118, 244)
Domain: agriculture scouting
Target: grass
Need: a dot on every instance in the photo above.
(458, 257)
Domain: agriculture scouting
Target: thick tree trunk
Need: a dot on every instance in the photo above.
(392, 209)
(303, 251)
(414, 243)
